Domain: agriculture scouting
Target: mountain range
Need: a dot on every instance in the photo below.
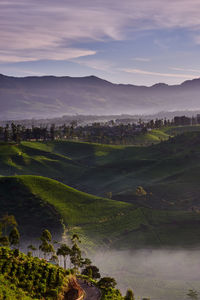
(50, 96)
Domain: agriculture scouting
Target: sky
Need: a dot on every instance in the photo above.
(139, 42)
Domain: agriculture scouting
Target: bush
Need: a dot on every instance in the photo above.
(92, 272)
(35, 276)
(107, 282)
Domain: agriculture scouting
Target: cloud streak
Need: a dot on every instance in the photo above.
(34, 30)
(96, 64)
(46, 54)
(52, 29)
(142, 59)
(172, 75)
(184, 69)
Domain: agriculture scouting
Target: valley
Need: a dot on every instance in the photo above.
(91, 189)
(132, 203)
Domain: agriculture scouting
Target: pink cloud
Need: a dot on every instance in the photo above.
(30, 28)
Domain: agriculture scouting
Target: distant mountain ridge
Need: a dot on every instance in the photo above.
(50, 96)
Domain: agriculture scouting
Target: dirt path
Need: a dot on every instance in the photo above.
(92, 292)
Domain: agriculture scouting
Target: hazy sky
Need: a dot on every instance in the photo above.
(128, 41)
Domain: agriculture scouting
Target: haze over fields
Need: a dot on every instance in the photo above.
(160, 274)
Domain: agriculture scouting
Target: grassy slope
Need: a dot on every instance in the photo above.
(37, 159)
(98, 221)
(175, 130)
(170, 169)
(152, 137)
(32, 213)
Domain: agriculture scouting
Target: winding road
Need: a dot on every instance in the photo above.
(91, 292)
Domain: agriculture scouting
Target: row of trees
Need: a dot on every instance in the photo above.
(18, 133)
(107, 133)
(112, 132)
(115, 134)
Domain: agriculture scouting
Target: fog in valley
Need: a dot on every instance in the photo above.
(157, 274)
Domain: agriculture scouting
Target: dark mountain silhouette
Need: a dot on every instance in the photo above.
(49, 96)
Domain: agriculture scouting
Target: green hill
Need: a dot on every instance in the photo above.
(39, 203)
(37, 159)
(176, 130)
(170, 169)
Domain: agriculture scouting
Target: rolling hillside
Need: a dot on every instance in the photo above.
(169, 170)
(37, 159)
(39, 203)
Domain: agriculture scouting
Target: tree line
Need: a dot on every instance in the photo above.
(106, 133)
(110, 132)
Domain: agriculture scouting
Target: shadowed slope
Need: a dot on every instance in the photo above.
(39, 203)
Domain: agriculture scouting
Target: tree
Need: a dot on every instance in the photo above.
(93, 271)
(46, 235)
(107, 282)
(64, 251)
(8, 221)
(6, 133)
(129, 295)
(75, 238)
(52, 132)
(46, 247)
(14, 237)
(75, 256)
(140, 191)
(14, 132)
(18, 133)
